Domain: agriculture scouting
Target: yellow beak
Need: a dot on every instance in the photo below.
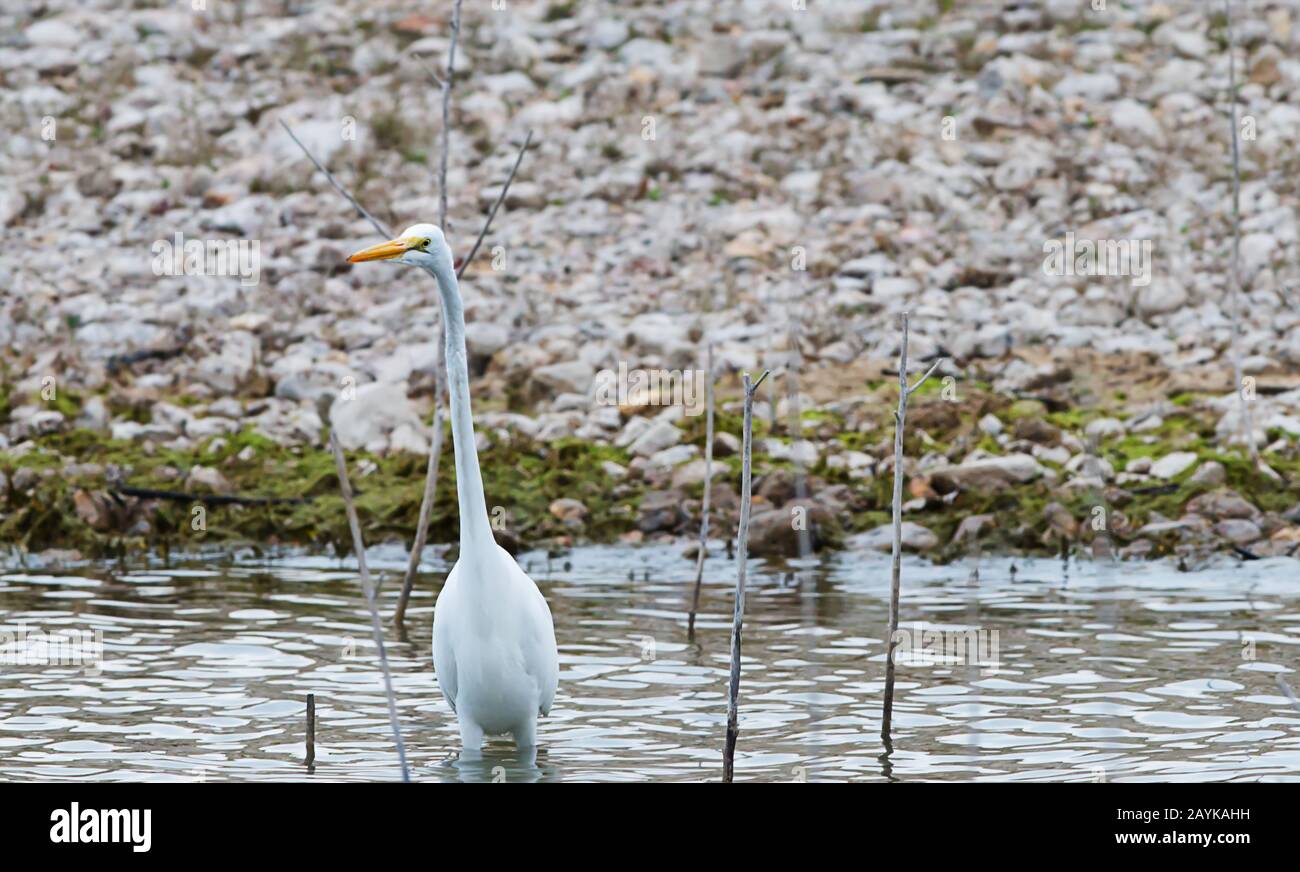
(383, 251)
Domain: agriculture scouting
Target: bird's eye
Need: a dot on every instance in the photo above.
(424, 243)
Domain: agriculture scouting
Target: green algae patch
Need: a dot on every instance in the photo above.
(75, 491)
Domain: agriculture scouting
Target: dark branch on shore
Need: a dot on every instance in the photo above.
(210, 499)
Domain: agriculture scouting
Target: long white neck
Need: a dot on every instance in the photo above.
(474, 527)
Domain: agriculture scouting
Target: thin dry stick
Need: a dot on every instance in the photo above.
(435, 454)
(446, 117)
(742, 556)
(796, 434)
(1245, 424)
(708, 482)
(440, 383)
(1290, 694)
(376, 628)
(311, 730)
(374, 222)
(900, 425)
(430, 494)
(528, 140)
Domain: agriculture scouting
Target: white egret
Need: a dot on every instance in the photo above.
(494, 650)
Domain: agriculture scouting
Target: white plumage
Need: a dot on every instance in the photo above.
(494, 649)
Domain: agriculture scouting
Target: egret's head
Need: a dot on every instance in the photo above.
(418, 245)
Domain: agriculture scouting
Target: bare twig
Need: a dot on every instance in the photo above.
(433, 74)
(311, 731)
(900, 424)
(149, 493)
(1245, 424)
(708, 482)
(742, 556)
(929, 372)
(793, 362)
(430, 494)
(446, 117)
(440, 382)
(431, 472)
(505, 189)
(1290, 694)
(338, 186)
(359, 546)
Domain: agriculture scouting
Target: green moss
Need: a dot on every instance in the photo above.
(1025, 409)
(521, 479)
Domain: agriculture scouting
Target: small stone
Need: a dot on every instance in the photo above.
(1238, 531)
(660, 510)
(1138, 465)
(207, 478)
(1221, 504)
(660, 435)
(1209, 474)
(972, 527)
(693, 473)
(1060, 521)
(92, 509)
(725, 445)
(1173, 465)
(987, 475)
(914, 538)
(1036, 430)
(568, 510)
(1104, 428)
(573, 377)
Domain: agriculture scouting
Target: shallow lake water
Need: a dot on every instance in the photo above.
(1076, 672)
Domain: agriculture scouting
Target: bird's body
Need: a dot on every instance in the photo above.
(494, 651)
(496, 666)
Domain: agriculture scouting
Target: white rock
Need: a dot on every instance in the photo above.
(408, 439)
(375, 410)
(804, 452)
(1090, 86)
(1162, 296)
(574, 376)
(1171, 465)
(1135, 123)
(1104, 428)
(914, 538)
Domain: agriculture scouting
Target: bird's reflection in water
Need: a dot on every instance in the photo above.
(501, 764)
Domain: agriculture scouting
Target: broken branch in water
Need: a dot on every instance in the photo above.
(708, 481)
(1290, 694)
(742, 548)
(895, 583)
(359, 546)
(310, 760)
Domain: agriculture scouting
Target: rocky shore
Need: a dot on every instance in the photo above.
(776, 181)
